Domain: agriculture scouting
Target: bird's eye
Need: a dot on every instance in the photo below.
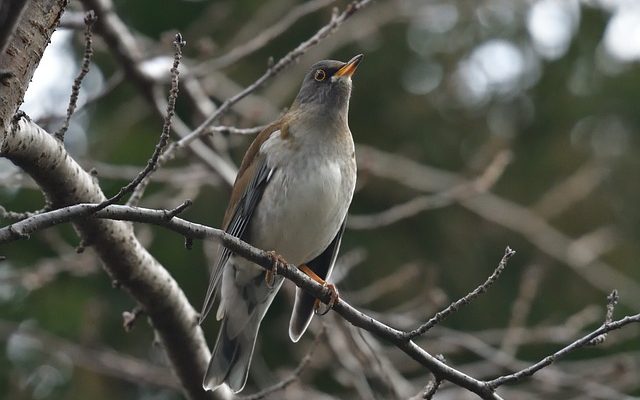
(320, 75)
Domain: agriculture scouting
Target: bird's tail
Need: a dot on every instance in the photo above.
(301, 315)
(231, 357)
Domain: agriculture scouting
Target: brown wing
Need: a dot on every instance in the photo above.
(247, 170)
(252, 178)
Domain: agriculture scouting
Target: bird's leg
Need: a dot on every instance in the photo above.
(277, 261)
(334, 291)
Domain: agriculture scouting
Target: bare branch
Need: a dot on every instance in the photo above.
(179, 209)
(89, 20)
(260, 257)
(16, 216)
(265, 260)
(22, 50)
(124, 47)
(584, 341)
(549, 375)
(453, 307)
(110, 85)
(357, 318)
(173, 319)
(152, 164)
(123, 44)
(124, 257)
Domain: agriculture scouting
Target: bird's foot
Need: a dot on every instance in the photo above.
(334, 291)
(317, 305)
(277, 261)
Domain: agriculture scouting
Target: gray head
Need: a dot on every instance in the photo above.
(327, 86)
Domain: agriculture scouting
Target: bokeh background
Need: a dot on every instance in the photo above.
(448, 92)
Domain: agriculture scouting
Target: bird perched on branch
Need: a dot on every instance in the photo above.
(291, 196)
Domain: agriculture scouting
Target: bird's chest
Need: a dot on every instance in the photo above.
(304, 205)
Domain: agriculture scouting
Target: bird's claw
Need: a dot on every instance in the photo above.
(332, 301)
(277, 261)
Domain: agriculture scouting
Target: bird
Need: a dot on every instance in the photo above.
(290, 197)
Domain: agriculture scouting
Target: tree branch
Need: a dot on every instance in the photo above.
(584, 341)
(260, 257)
(400, 339)
(125, 259)
(196, 231)
(89, 19)
(22, 53)
(455, 306)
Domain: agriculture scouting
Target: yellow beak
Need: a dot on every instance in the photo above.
(350, 67)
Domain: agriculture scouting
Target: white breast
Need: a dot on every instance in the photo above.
(306, 199)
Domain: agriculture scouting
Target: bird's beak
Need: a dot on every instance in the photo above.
(349, 68)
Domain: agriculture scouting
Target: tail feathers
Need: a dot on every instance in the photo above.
(301, 315)
(231, 358)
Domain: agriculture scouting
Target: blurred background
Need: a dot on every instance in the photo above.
(479, 125)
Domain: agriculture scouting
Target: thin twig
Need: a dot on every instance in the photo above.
(126, 50)
(17, 216)
(399, 338)
(173, 212)
(109, 86)
(497, 361)
(152, 164)
(584, 341)
(453, 307)
(89, 19)
(263, 259)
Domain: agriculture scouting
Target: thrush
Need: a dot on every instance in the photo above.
(291, 196)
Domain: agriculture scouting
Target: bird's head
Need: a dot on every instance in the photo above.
(327, 86)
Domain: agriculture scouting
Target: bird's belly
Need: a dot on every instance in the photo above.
(300, 214)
